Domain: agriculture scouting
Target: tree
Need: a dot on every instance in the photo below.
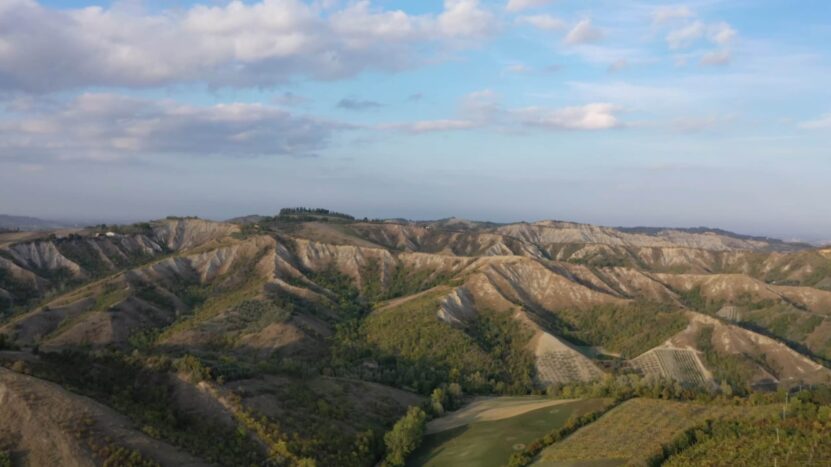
(405, 436)
(454, 390)
(437, 401)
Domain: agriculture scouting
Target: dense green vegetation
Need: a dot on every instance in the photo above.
(796, 435)
(20, 296)
(312, 214)
(784, 320)
(408, 346)
(629, 329)
(405, 436)
(5, 459)
(139, 387)
(24, 295)
(732, 372)
(402, 281)
(113, 455)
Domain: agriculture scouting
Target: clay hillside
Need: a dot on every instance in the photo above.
(304, 336)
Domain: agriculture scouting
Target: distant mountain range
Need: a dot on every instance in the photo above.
(8, 222)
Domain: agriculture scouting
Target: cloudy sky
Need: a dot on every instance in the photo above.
(708, 112)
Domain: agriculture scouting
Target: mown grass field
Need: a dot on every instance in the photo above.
(632, 432)
(487, 443)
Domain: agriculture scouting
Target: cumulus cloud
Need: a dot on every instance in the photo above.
(821, 123)
(600, 116)
(236, 44)
(583, 33)
(519, 5)
(720, 34)
(666, 14)
(716, 58)
(481, 109)
(686, 35)
(349, 103)
(465, 19)
(544, 22)
(107, 126)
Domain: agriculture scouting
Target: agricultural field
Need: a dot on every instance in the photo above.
(557, 362)
(634, 431)
(488, 431)
(681, 365)
(779, 442)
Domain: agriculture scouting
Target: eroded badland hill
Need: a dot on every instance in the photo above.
(303, 338)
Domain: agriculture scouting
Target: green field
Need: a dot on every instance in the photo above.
(491, 443)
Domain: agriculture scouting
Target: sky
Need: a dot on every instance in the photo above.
(700, 113)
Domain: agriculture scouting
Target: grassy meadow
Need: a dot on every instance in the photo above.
(487, 443)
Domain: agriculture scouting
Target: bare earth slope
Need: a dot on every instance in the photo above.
(47, 425)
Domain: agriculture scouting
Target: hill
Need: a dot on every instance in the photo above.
(13, 223)
(306, 335)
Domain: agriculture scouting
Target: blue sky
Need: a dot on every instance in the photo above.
(707, 112)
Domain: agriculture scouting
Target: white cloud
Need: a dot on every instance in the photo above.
(465, 19)
(717, 33)
(107, 127)
(599, 116)
(583, 33)
(481, 109)
(721, 33)
(429, 126)
(235, 44)
(686, 35)
(519, 5)
(717, 58)
(666, 14)
(481, 106)
(544, 22)
(821, 123)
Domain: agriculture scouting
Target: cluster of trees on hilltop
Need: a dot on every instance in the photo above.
(312, 213)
